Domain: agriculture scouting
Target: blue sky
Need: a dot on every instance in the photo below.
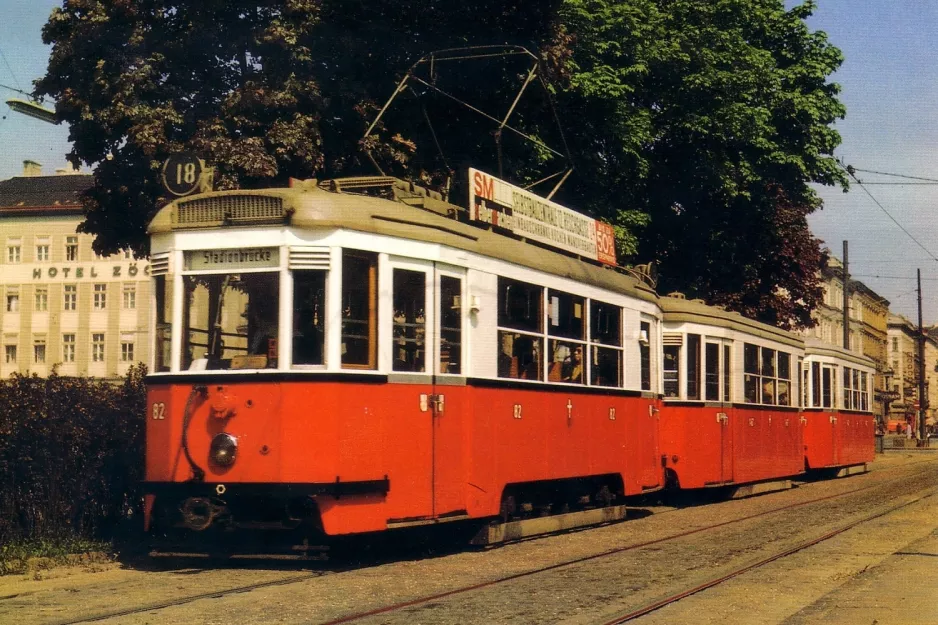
(890, 89)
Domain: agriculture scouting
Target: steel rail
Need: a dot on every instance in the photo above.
(295, 579)
(657, 605)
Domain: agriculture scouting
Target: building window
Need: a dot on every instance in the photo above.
(895, 344)
(71, 248)
(14, 250)
(68, 348)
(100, 296)
(42, 299)
(97, 347)
(127, 350)
(70, 300)
(13, 299)
(130, 296)
(39, 350)
(42, 249)
(10, 354)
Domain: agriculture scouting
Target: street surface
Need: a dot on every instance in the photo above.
(879, 571)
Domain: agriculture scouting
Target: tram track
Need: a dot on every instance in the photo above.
(300, 578)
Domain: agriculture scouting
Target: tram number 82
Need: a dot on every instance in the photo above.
(159, 411)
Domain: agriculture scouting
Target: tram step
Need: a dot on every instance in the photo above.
(516, 530)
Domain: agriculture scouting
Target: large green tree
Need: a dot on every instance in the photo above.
(695, 127)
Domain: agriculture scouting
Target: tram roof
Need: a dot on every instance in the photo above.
(677, 309)
(307, 205)
(816, 347)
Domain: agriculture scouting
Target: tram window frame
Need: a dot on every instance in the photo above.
(864, 391)
(605, 344)
(520, 330)
(566, 331)
(712, 371)
(163, 330)
(727, 377)
(693, 366)
(450, 319)
(763, 381)
(409, 320)
(671, 371)
(253, 328)
(644, 354)
(827, 387)
(309, 317)
(365, 293)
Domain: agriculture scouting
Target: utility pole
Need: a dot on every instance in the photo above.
(921, 364)
(846, 302)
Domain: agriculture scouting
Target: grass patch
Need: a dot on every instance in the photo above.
(27, 556)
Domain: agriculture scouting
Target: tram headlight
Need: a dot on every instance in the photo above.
(223, 449)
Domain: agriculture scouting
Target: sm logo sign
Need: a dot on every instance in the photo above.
(483, 185)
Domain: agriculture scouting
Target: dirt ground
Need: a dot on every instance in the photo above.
(846, 579)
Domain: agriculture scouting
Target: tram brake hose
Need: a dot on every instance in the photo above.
(198, 473)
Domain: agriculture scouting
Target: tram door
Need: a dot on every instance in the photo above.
(718, 391)
(449, 390)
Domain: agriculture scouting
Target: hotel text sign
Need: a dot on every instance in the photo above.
(528, 215)
(240, 258)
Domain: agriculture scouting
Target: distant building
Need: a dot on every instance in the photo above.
(60, 303)
(868, 324)
(904, 363)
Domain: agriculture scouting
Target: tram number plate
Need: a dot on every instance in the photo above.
(159, 411)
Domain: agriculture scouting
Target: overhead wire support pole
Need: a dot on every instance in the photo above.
(921, 364)
(846, 301)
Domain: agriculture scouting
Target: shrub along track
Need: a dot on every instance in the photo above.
(883, 479)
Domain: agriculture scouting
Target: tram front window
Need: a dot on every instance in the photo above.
(231, 321)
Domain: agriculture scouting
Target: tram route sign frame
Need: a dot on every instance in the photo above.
(184, 173)
(525, 214)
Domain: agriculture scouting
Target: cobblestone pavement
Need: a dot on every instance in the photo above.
(863, 575)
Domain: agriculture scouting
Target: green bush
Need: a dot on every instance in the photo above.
(71, 455)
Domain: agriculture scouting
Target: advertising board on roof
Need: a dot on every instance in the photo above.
(527, 215)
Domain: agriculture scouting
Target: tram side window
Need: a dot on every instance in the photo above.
(566, 319)
(605, 344)
(784, 379)
(848, 389)
(520, 333)
(816, 385)
(726, 372)
(164, 327)
(856, 389)
(644, 352)
(359, 310)
(671, 369)
(309, 320)
(712, 374)
(751, 373)
(693, 366)
(450, 325)
(864, 391)
(410, 328)
(231, 321)
(826, 391)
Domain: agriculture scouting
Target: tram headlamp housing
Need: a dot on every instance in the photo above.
(223, 450)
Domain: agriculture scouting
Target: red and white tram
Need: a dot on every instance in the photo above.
(839, 426)
(730, 410)
(367, 363)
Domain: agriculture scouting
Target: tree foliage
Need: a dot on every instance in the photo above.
(695, 127)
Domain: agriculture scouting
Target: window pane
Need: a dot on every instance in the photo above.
(670, 368)
(816, 384)
(606, 322)
(693, 366)
(644, 349)
(519, 305)
(565, 315)
(726, 373)
(231, 321)
(450, 325)
(768, 361)
(410, 331)
(826, 387)
(359, 309)
(566, 362)
(751, 358)
(163, 334)
(784, 397)
(309, 321)
(751, 388)
(712, 380)
(784, 365)
(606, 366)
(519, 356)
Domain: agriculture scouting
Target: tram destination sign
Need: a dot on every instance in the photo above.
(238, 258)
(527, 215)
